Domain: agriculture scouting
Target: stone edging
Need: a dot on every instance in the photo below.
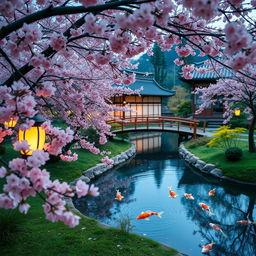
(208, 168)
(99, 169)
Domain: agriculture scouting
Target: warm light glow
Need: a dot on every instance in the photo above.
(35, 137)
(124, 102)
(237, 112)
(12, 122)
(69, 112)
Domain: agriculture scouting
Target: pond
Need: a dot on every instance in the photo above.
(144, 182)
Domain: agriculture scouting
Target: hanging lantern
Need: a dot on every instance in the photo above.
(35, 136)
(12, 122)
(237, 112)
(124, 102)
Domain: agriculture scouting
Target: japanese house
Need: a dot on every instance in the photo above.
(148, 103)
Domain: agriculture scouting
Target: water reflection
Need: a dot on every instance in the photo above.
(144, 183)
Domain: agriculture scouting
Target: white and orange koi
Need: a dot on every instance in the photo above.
(206, 208)
(246, 222)
(207, 248)
(145, 215)
(212, 192)
(172, 193)
(189, 196)
(216, 227)
(118, 195)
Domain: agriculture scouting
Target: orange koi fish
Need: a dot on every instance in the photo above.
(118, 195)
(212, 192)
(145, 215)
(172, 193)
(216, 227)
(246, 222)
(206, 208)
(189, 196)
(207, 248)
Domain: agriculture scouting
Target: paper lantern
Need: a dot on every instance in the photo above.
(35, 136)
(237, 112)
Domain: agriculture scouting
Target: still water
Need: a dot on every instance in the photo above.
(144, 183)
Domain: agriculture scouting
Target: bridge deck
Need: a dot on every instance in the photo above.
(168, 124)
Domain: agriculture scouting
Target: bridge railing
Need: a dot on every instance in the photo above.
(138, 123)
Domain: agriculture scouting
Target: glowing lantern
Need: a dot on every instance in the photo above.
(35, 136)
(69, 112)
(12, 122)
(237, 112)
(124, 102)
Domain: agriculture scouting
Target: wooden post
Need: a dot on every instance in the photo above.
(178, 126)
(147, 123)
(122, 125)
(204, 126)
(195, 126)
(162, 124)
(135, 123)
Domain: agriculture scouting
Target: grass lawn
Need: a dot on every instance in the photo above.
(245, 169)
(37, 236)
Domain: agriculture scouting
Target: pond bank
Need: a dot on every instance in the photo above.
(99, 169)
(209, 168)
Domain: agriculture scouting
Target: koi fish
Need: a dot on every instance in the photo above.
(207, 248)
(216, 227)
(206, 208)
(246, 222)
(118, 195)
(145, 215)
(212, 192)
(189, 196)
(172, 193)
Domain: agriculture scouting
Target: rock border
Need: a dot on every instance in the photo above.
(98, 170)
(208, 168)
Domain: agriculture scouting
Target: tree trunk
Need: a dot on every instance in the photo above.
(251, 142)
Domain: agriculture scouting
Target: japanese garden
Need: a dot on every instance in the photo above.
(127, 127)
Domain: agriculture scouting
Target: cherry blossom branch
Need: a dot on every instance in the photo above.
(55, 11)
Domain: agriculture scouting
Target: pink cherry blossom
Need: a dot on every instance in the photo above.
(93, 191)
(24, 207)
(81, 188)
(3, 172)
(21, 145)
(107, 160)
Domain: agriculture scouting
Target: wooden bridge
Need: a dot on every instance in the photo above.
(159, 123)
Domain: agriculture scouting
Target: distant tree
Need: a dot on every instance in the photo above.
(159, 65)
(184, 109)
(181, 95)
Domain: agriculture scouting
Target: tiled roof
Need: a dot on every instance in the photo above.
(213, 75)
(150, 86)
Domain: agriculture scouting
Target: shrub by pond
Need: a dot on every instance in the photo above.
(234, 154)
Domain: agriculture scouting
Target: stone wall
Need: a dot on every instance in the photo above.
(206, 167)
(101, 168)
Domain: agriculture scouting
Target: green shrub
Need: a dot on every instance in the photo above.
(234, 154)
(200, 141)
(10, 224)
(184, 109)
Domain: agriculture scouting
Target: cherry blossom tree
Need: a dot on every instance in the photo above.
(61, 58)
(239, 89)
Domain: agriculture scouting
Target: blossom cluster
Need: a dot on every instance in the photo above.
(25, 178)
